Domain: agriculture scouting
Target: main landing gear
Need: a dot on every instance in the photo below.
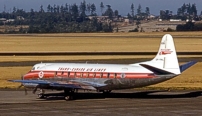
(69, 94)
(105, 91)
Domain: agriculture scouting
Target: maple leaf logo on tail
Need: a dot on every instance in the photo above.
(165, 51)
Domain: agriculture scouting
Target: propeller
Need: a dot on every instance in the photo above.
(21, 85)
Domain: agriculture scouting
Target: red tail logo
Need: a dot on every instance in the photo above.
(165, 51)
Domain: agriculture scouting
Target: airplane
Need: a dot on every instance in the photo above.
(71, 77)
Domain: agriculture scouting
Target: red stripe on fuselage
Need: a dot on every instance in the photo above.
(65, 74)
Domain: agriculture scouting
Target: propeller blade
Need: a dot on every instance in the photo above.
(35, 89)
(20, 86)
(22, 77)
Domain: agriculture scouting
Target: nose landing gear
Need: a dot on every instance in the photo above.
(41, 94)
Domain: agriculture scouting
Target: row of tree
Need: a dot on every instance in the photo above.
(74, 18)
(64, 18)
(189, 26)
(140, 14)
(186, 11)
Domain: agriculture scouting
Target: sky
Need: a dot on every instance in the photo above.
(123, 6)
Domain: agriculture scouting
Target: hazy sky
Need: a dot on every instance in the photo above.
(123, 6)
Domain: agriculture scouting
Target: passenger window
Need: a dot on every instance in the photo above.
(101, 75)
(115, 75)
(87, 75)
(108, 75)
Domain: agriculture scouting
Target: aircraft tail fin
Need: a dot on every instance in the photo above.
(166, 59)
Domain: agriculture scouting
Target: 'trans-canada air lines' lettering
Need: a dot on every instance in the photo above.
(82, 69)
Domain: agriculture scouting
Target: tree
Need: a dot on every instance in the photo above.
(132, 10)
(66, 8)
(58, 9)
(193, 9)
(129, 16)
(41, 9)
(83, 8)
(93, 9)
(147, 11)
(74, 11)
(31, 14)
(14, 9)
(139, 9)
(102, 7)
(54, 8)
(189, 8)
(109, 12)
(116, 13)
(88, 8)
(62, 10)
(107, 27)
(180, 12)
(183, 9)
(49, 8)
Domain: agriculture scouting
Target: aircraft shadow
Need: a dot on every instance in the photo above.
(135, 95)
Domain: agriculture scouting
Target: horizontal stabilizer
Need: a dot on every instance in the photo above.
(187, 65)
(155, 70)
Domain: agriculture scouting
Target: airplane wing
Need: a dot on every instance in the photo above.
(72, 84)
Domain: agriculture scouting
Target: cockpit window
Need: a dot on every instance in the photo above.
(33, 68)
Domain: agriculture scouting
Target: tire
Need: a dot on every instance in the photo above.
(68, 97)
(41, 96)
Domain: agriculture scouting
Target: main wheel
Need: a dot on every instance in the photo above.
(41, 96)
(69, 94)
(68, 97)
(107, 91)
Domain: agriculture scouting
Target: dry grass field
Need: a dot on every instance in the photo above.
(185, 41)
(72, 57)
(188, 41)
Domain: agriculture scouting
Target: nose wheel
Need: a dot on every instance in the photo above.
(41, 94)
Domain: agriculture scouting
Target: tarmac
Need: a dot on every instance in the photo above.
(118, 103)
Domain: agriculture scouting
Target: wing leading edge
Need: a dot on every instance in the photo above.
(73, 84)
